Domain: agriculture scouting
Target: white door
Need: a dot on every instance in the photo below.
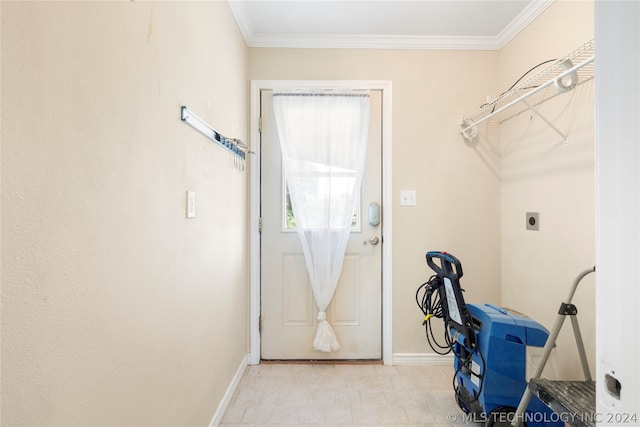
(288, 311)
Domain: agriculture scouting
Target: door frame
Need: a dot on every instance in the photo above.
(254, 205)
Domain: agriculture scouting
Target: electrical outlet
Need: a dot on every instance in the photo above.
(533, 221)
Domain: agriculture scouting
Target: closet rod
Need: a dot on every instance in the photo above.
(236, 146)
(528, 94)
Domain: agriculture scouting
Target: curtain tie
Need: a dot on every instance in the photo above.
(322, 316)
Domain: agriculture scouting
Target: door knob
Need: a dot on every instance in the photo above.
(373, 240)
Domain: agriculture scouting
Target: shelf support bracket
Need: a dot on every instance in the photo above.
(537, 113)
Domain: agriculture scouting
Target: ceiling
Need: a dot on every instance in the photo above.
(384, 24)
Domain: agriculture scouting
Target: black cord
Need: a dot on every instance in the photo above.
(518, 81)
(530, 70)
(431, 306)
(464, 362)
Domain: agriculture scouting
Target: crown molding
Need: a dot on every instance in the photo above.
(350, 41)
(239, 11)
(526, 17)
(320, 41)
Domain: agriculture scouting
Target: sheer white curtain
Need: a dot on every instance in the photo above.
(323, 136)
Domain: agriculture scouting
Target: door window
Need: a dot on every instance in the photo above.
(289, 220)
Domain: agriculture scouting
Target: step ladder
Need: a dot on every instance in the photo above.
(572, 400)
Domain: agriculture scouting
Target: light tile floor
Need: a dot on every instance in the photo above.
(344, 395)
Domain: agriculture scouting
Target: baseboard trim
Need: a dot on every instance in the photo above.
(422, 359)
(228, 396)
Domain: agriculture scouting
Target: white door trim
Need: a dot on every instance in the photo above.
(254, 204)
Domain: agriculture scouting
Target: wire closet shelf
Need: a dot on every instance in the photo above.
(561, 76)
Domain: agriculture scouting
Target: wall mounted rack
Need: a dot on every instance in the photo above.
(235, 146)
(559, 77)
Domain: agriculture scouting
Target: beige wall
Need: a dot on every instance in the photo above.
(116, 310)
(457, 185)
(541, 173)
(472, 197)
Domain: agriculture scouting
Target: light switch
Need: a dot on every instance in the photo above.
(191, 204)
(408, 197)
